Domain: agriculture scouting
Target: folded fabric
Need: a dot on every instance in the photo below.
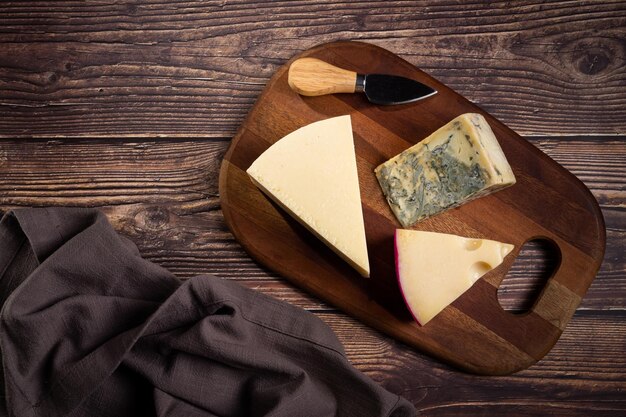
(89, 328)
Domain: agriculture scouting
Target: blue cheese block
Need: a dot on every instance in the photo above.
(459, 162)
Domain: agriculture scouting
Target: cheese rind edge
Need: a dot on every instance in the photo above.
(434, 269)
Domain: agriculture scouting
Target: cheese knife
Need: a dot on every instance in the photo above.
(314, 77)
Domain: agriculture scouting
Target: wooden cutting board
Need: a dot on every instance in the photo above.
(474, 333)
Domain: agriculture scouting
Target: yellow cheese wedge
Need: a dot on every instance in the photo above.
(312, 174)
(434, 269)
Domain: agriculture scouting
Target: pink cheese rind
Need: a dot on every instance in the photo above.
(399, 277)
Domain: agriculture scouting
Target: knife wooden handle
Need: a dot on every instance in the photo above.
(313, 77)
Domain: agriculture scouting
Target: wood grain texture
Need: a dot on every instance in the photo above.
(474, 334)
(163, 194)
(312, 77)
(144, 187)
(583, 374)
(194, 69)
(164, 68)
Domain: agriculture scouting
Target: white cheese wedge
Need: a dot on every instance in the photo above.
(312, 174)
(434, 269)
(459, 162)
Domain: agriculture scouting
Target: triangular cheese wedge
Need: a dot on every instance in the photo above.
(312, 174)
(434, 269)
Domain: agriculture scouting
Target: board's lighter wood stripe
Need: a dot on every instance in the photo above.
(556, 304)
(481, 304)
(483, 350)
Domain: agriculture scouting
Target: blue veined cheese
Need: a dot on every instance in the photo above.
(459, 162)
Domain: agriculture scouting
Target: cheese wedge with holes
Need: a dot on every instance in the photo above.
(459, 162)
(434, 269)
(312, 174)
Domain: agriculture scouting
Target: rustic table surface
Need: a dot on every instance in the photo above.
(129, 106)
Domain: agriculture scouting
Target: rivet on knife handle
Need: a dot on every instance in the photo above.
(313, 77)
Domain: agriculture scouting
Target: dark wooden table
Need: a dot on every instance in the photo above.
(129, 107)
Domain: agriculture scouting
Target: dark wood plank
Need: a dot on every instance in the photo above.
(195, 68)
(583, 375)
(576, 378)
(163, 194)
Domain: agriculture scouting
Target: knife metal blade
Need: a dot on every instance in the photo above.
(313, 77)
(392, 89)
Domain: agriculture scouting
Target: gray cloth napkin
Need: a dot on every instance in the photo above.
(89, 328)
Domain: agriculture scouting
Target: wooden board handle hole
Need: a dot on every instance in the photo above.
(536, 262)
